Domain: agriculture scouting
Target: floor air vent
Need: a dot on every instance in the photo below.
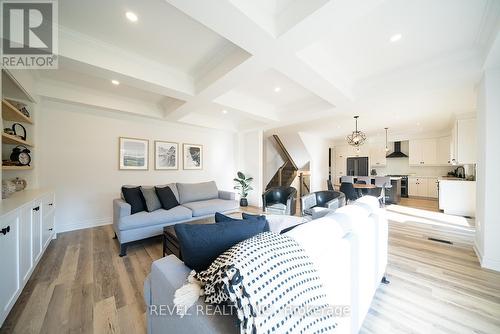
(441, 240)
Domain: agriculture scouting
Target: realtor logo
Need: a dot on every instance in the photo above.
(29, 34)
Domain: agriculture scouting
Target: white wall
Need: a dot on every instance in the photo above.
(79, 150)
(251, 162)
(317, 147)
(488, 177)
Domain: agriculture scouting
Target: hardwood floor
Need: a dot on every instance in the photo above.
(420, 203)
(82, 286)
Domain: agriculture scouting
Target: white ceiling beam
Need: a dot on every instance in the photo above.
(229, 22)
(83, 49)
(208, 97)
(57, 91)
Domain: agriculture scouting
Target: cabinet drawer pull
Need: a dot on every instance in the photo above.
(5, 230)
(36, 209)
(51, 229)
(51, 204)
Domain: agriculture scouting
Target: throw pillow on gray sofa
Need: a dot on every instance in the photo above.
(167, 198)
(193, 192)
(152, 201)
(133, 196)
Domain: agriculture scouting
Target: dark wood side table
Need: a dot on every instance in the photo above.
(170, 241)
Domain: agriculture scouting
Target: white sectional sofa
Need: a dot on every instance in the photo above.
(348, 247)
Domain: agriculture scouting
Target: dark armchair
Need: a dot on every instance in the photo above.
(321, 199)
(348, 189)
(280, 200)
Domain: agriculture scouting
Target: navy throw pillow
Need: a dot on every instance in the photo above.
(166, 197)
(201, 244)
(219, 217)
(134, 197)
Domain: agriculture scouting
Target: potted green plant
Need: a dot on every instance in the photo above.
(242, 183)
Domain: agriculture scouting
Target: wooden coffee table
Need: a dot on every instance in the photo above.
(170, 241)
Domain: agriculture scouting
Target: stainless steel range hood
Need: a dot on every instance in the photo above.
(397, 151)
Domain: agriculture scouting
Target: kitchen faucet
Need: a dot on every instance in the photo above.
(462, 174)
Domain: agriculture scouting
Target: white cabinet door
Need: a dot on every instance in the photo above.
(36, 227)
(48, 228)
(9, 259)
(377, 155)
(453, 145)
(415, 152)
(432, 188)
(25, 245)
(422, 187)
(466, 141)
(429, 151)
(413, 186)
(444, 151)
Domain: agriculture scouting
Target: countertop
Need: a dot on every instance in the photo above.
(19, 199)
(454, 179)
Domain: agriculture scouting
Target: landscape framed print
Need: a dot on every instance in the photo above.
(134, 154)
(192, 156)
(166, 155)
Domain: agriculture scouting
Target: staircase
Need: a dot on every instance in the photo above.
(285, 175)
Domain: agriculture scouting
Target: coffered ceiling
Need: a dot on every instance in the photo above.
(308, 65)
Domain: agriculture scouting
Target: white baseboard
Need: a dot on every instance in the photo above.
(80, 225)
(486, 262)
(478, 253)
(490, 264)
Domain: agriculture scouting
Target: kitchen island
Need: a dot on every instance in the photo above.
(457, 197)
(393, 194)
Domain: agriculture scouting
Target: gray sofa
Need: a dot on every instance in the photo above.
(197, 201)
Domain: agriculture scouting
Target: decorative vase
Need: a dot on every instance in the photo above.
(8, 188)
(20, 184)
(243, 202)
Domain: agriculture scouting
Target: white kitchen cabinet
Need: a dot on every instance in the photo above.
(36, 225)
(48, 225)
(457, 197)
(9, 258)
(24, 235)
(419, 186)
(25, 244)
(377, 155)
(443, 155)
(423, 152)
(432, 188)
(429, 151)
(432, 151)
(415, 152)
(465, 145)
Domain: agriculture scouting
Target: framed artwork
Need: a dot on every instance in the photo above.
(192, 156)
(166, 155)
(134, 154)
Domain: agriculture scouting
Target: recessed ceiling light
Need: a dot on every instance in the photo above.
(418, 123)
(277, 89)
(224, 111)
(396, 37)
(115, 82)
(131, 16)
